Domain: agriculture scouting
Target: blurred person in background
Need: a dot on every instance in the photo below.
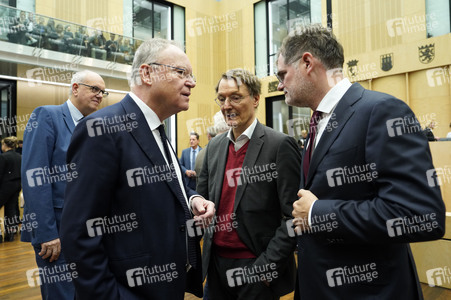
(10, 186)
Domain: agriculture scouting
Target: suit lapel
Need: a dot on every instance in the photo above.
(67, 117)
(146, 141)
(255, 145)
(341, 115)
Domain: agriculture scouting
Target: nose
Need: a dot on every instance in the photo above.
(190, 82)
(227, 104)
(280, 86)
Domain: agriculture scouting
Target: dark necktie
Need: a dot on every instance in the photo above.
(191, 240)
(308, 153)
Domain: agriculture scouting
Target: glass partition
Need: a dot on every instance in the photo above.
(34, 30)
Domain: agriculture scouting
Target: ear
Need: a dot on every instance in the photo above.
(145, 73)
(308, 61)
(256, 101)
(75, 88)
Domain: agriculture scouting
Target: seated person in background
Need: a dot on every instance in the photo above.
(30, 23)
(79, 45)
(111, 46)
(68, 34)
(39, 32)
(97, 45)
(51, 34)
(39, 29)
(127, 50)
(58, 41)
(428, 131)
(50, 28)
(81, 34)
(17, 30)
(448, 136)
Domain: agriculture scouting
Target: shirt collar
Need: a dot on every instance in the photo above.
(151, 117)
(246, 134)
(74, 112)
(334, 95)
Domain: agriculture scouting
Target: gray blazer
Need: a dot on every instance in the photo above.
(263, 206)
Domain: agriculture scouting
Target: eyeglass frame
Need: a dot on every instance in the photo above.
(94, 89)
(238, 101)
(280, 78)
(184, 75)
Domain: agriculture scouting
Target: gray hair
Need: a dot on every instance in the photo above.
(317, 40)
(78, 77)
(148, 52)
(242, 76)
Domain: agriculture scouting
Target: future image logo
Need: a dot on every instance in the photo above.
(351, 274)
(214, 24)
(438, 76)
(353, 174)
(411, 24)
(251, 275)
(438, 276)
(412, 224)
(149, 275)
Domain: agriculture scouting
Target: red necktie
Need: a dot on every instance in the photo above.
(308, 153)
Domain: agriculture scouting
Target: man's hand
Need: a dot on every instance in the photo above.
(190, 173)
(301, 209)
(51, 249)
(204, 211)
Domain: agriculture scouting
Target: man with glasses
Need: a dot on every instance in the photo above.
(367, 182)
(252, 174)
(128, 216)
(44, 179)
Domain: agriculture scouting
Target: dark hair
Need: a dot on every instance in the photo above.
(317, 40)
(194, 133)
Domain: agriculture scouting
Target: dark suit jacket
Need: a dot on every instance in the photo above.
(263, 207)
(366, 131)
(44, 146)
(110, 183)
(185, 163)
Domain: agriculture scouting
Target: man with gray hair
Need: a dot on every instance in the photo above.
(43, 176)
(252, 174)
(129, 233)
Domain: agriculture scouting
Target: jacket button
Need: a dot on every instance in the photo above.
(182, 228)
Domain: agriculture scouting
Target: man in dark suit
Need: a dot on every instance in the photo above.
(45, 174)
(368, 186)
(252, 174)
(126, 214)
(188, 160)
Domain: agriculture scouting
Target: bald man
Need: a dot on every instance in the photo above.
(44, 177)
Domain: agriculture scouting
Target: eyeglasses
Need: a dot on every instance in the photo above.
(96, 90)
(281, 77)
(182, 73)
(235, 99)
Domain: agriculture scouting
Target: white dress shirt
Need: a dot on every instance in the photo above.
(244, 137)
(153, 121)
(327, 107)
